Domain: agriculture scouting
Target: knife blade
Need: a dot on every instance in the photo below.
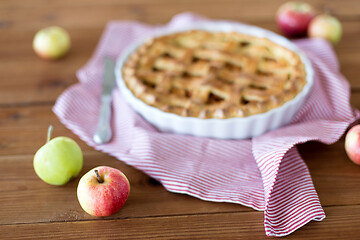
(103, 132)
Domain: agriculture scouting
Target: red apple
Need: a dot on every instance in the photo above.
(293, 18)
(352, 144)
(103, 191)
(326, 26)
(51, 42)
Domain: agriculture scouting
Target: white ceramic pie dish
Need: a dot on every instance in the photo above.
(231, 128)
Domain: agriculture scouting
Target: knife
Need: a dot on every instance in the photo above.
(103, 132)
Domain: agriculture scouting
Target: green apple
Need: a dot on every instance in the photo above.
(327, 27)
(51, 42)
(59, 160)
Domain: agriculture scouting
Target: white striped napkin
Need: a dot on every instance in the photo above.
(265, 173)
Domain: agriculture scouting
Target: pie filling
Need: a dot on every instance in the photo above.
(213, 74)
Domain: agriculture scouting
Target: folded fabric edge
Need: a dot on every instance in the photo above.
(309, 204)
(318, 216)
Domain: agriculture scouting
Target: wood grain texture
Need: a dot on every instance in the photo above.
(29, 86)
(342, 223)
(91, 13)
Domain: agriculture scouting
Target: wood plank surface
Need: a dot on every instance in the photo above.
(29, 86)
(342, 223)
(87, 13)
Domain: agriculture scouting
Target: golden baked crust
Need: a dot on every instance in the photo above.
(213, 74)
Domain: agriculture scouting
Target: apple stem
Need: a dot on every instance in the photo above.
(99, 178)
(50, 129)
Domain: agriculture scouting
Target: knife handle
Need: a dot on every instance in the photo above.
(103, 132)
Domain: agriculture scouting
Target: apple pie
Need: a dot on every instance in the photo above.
(206, 74)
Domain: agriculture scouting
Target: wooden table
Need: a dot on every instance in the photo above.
(29, 86)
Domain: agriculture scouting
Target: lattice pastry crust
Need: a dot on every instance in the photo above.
(213, 74)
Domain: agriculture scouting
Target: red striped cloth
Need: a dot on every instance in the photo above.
(265, 173)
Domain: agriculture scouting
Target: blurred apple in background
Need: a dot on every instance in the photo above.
(327, 27)
(103, 191)
(51, 42)
(293, 18)
(352, 144)
(59, 160)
